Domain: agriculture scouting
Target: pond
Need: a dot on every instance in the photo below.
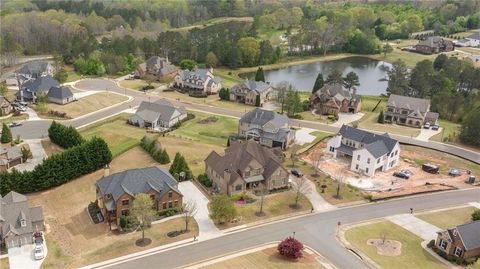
(303, 76)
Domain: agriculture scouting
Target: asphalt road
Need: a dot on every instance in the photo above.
(38, 129)
(317, 231)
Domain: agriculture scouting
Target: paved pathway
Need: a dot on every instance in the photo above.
(207, 228)
(425, 134)
(475, 204)
(80, 95)
(319, 204)
(346, 118)
(303, 136)
(38, 154)
(22, 257)
(415, 225)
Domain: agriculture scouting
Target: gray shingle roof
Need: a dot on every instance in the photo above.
(261, 117)
(475, 35)
(410, 103)
(14, 208)
(159, 65)
(162, 109)
(33, 68)
(470, 234)
(252, 85)
(41, 84)
(138, 181)
(367, 138)
(377, 148)
(62, 92)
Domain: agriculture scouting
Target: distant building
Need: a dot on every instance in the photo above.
(157, 115)
(18, 222)
(410, 111)
(199, 80)
(247, 92)
(60, 95)
(334, 98)
(35, 70)
(434, 45)
(472, 40)
(116, 192)
(462, 241)
(246, 166)
(9, 157)
(367, 152)
(268, 127)
(32, 89)
(156, 66)
(5, 106)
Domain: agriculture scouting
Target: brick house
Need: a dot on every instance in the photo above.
(156, 66)
(246, 166)
(5, 106)
(9, 157)
(462, 241)
(116, 192)
(334, 98)
(247, 92)
(410, 111)
(198, 80)
(434, 45)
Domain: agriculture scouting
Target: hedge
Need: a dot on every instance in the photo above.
(151, 145)
(58, 168)
(65, 137)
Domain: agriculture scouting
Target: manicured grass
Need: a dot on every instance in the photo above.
(369, 122)
(136, 84)
(119, 135)
(370, 102)
(448, 218)
(347, 193)
(450, 131)
(229, 77)
(211, 100)
(215, 133)
(308, 115)
(412, 256)
(88, 104)
(51, 148)
(267, 259)
(19, 118)
(273, 35)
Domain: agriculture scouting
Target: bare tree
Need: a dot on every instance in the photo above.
(189, 209)
(263, 191)
(316, 157)
(143, 211)
(294, 152)
(340, 179)
(300, 186)
(383, 236)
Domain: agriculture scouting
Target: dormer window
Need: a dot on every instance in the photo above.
(23, 223)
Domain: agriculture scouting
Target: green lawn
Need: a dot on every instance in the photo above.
(4, 263)
(136, 84)
(448, 218)
(19, 118)
(369, 102)
(215, 133)
(412, 256)
(229, 77)
(347, 193)
(273, 35)
(450, 131)
(369, 122)
(119, 135)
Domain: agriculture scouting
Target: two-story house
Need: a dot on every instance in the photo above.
(161, 114)
(462, 241)
(247, 92)
(268, 127)
(433, 45)
(116, 192)
(367, 152)
(410, 111)
(246, 166)
(35, 70)
(32, 89)
(334, 98)
(156, 66)
(9, 157)
(472, 40)
(200, 80)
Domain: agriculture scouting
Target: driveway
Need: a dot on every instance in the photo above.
(303, 136)
(206, 227)
(319, 204)
(346, 118)
(22, 257)
(38, 154)
(80, 95)
(415, 225)
(425, 134)
(32, 115)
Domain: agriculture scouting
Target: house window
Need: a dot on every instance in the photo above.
(368, 160)
(125, 202)
(125, 212)
(391, 155)
(378, 160)
(238, 187)
(443, 244)
(23, 223)
(170, 194)
(170, 204)
(358, 157)
(356, 167)
(175, 203)
(332, 149)
(366, 170)
(458, 251)
(164, 205)
(152, 196)
(396, 152)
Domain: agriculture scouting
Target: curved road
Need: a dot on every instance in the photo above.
(38, 129)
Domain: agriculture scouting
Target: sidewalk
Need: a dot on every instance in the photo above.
(415, 225)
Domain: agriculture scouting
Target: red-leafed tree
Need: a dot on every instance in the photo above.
(290, 248)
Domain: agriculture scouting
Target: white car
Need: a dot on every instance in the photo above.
(38, 252)
(426, 126)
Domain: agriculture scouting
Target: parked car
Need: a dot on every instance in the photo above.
(426, 126)
(435, 127)
(21, 108)
(297, 173)
(430, 168)
(402, 174)
(14, 124)
(38, 252)
(454, 172)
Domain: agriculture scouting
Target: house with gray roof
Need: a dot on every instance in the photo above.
(246, 166)
(367, 152)
(161, 114)
(32, 89)
(198, 80)
(270, 128)
(5, 106)
(462, 241)
(334, 98)
(247, 92)
(116, 192)
(60, 95)
(156, 66)
(9, 157)
(35, 70)
(410, 111)
(472, 40)
(18, 222)
(433, 45)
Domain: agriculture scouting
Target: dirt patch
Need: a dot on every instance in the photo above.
(208, 120)
(386, 247)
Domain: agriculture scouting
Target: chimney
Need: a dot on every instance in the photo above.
(106, 170)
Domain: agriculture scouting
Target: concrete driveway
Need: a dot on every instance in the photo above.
(415, 225)
(22, 257)
(206, 227)
(38, 154)
(346, 118)
(425, 134)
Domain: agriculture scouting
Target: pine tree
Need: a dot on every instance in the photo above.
(257, 101)
(164, 158)
(260, 76)
(380, 117)
(319, 82)
(6, 134)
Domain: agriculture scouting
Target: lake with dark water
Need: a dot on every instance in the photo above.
(303, 76)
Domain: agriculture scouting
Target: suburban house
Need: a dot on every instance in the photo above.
(462, 241)
(201, 80)
(9, 157)
(247, 92)
(472, 40)
(60, 95)
(268, 127)
(246, 166)
(18, 222)
(35, 70)
(160, 114)
(5, 106)
(155, 66)
(116, 192)
(434, 45)
(32, 89)
(410, 111)
(368, 152)
(334, 98)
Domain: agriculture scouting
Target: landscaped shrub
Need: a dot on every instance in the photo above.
(197, 94)
(169, 212)
(204, 180)
(380, 117)
(65, 137)
(290, 248)
(179, 168)
(431, 244)
(94, 211)
(476, 215)
(58, 168)
(151, 145)
(6, 134)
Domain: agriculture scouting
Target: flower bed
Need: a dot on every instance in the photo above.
(95, 213)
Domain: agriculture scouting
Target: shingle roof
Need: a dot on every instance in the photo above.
(411, 103)
(14, 208)
(431, 41)
(138, 181)
(261, 117)
(367, 138)
(377, 148)
(33, 68)
(41, 84)
(475, 35)
(337, 92)
(252, 85)
(470, 234)
(62, 92)
(162, 109)
(159, 65)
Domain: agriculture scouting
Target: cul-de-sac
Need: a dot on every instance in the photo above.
(219, 134)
